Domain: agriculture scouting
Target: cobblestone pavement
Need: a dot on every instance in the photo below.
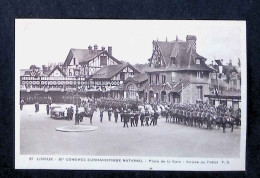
(38, 135)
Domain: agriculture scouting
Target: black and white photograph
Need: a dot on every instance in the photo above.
(94, 94)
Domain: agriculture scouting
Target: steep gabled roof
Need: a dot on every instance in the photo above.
(56, 67)
(85, 55)
(108, 72)
(184, 55)
(166, 49)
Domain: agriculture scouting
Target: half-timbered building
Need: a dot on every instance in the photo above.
(109, 79)
(34, 83)
(88, 60)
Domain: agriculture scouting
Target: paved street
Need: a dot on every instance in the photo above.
(38, 136)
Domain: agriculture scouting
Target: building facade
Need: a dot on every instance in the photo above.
(90, 72)
(109, 80)
(134, 87)
(225, 84)
(177, 73)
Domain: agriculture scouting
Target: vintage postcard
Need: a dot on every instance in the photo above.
(130, 94)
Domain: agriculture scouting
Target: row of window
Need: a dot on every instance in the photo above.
(157, 79)
(51, 78)
(173, 78)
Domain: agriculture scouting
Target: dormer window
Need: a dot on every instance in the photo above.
(173, 60)
(197, 61)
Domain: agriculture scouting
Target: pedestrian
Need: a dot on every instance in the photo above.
(156, 116)
(116, 115)
(21, 104)
(125, 118)
(152, 120)
(101, 114)
(109, 113)
(68, 115)
(223, 123)
(71, 113)
(146, 117)
(167, 115)
(142, 119)
(38, 107)
(136, 119)
(131, 117)
(121, 114)
(35, 105)
(48, 108)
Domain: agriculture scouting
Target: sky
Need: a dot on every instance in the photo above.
(43, 41)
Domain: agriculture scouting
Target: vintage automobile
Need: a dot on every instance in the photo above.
(59, 111)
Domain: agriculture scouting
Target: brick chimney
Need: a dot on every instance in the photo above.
(191, 41)
(103, 48)
(109, 50)
(95, 47)
(89, 47)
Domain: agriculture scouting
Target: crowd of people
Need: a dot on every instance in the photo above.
(193, 115)
(198, 115)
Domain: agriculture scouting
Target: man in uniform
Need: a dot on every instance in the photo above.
(222, 117)
(131, 117)
(125, 118)
(136, 119)
(101, 114)
(208, 118)
(142, 119)
(121, 114)
(155, 117)
(48, 108)
(167, 114)
(71, 112)
(116, 115)
(36, 106)
(109, 113)
(146, 115)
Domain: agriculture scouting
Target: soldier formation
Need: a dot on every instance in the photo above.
(198, 115)
(203, 115)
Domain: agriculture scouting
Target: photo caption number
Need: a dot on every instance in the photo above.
(30, 158)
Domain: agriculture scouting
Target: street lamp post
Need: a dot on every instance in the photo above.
(77, 75)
